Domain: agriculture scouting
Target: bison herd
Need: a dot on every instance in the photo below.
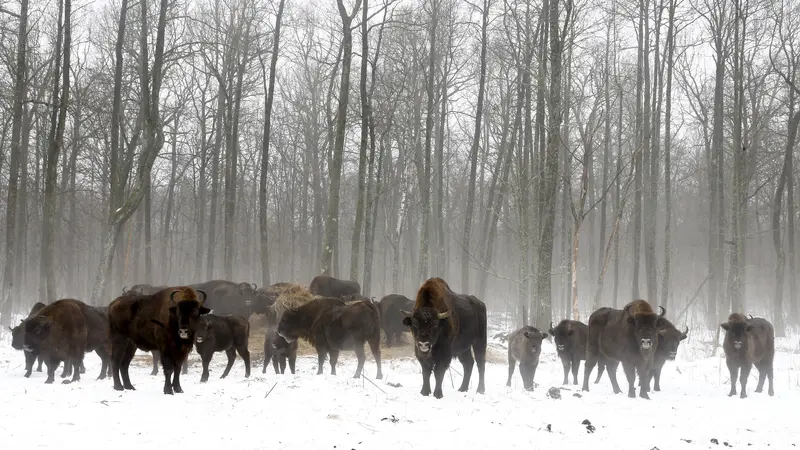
(333, 316)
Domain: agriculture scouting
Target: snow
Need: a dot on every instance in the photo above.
(307, 411)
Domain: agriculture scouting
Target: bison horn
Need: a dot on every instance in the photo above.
(172, 296)
(124, 288)
(255, 286)
(663, 311)
(406, 313)
(205, 296)
(443, 315)
(686, 333)
(551, 325)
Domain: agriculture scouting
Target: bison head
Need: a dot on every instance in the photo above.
(278, 342)
(17, 336)
(670, 340)
(646, 331)
(533, 339)
(562, 335)
(187, 311)
(204, 330)
(34, 332)
(737, 332)
(292, 324)
(426, 326)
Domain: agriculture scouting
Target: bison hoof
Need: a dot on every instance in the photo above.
(425, 392)
(27, 375)
(177, 389)
(379, 377)
(130, 387)
(743, 395)
(39, 369)
(101, 377)
(438, 393)
(481, 390)
(168, 390)
(759, 390)
(48, 381)
(204, 379)
(529, 388)
(153, 373)
(771, 393)
(66, 381)
(731, 393)
(644, 396)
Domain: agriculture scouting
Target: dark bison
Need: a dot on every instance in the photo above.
(392, 317)
(222, 333)
(230, 298)
(277, 350)
(147, 289)
(629, 336)
(570, 338)
(265, 297)
(325, 286)
(525, 346)
(331, 325)
(17, 333)
(667, 349)
(165, 321)
(748, 342)
(446, 325)
(59, 333)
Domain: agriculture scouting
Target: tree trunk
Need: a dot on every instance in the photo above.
(355, 241)
(262, 186)
(665, 285)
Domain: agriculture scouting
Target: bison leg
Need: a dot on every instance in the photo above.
(280, 364)
(82, 367)
(576, 364)
(76, 369)
(276, 362)
(245, 354)
(168, 366)
(527, 372)
(611, 368)
(205, 357)
(130, 350)
(630, 374)
(321, 353)
(176, 379)
(601, 367)
(438, 376)
(733, 369)
(375, 349)
(231, 352)
(267, 354)
(156, 358)
(102, 352)
(30, 358)
(512, 365)
(427, 368)
(565, 362)
(335, 359)
(743, 375)
(185, 366)
(468, 363)
(67, 372)
(480, 361)
(52, 365)
(657, 378)
(293, 357)
(41, 360)
(389, 336)
(360, 356)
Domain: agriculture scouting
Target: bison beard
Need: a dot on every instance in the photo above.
(629, 336)
(331, 326)
(445, 324)
(154, 322)
(748, 342)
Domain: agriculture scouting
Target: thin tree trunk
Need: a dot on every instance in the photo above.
(362, 147)
(665, 285)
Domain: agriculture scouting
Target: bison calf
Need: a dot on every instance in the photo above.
(570, 338)
(277, 350)
(749, 342)
(222, 333)
(525, 346)
(17, 333)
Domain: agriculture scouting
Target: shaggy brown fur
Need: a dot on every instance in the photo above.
(291, 296)
(436, 293)
(326, 286)
(165, 321)
(58, 332)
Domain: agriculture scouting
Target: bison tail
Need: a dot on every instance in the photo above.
(376, 314)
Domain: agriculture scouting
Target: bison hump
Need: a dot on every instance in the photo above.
(434, 293)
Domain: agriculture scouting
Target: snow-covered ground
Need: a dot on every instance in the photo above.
(306, 411)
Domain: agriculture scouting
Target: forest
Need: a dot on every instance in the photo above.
(549, 157)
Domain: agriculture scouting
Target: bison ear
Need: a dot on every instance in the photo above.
(173, 310)
(406, 313)
(725, 326)
(749, 328)
(407, 321)
(204, 310)
(544, 335)
(662, 331)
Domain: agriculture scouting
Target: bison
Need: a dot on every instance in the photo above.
(391, 317)
(570, 338)
(446, 325)
(325, 286)
(629, 336)
(230, 298)
(59, 333)
(525, 346)
(277, 350)
(16, 342)
(331, 325)
(147, 289)
(165, 321)
(222, 333)
(749, 342)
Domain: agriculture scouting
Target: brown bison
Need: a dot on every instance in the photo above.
(222, 333)
(147, 289)
(392, 317)
(628, 336)
(277, 350)
(325, 286)
(59, 333)
(165, 321)
(447, 325)
(570, 338)
(331, 325)
(16, 342)
(748, 342)
(525, 346)
(230, 298)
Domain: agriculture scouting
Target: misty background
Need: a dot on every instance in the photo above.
(549, 157)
